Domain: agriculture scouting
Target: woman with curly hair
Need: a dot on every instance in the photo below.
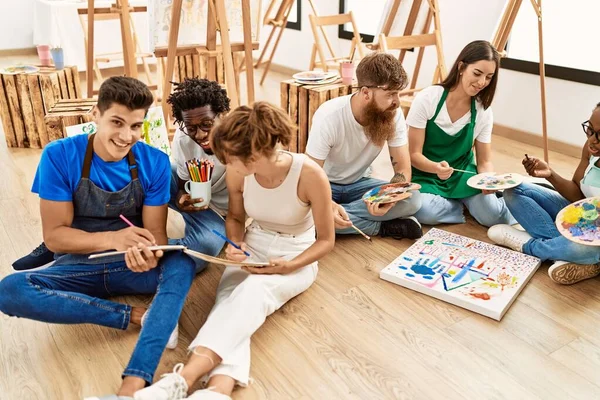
(289, 199)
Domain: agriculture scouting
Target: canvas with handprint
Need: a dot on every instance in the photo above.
(468, 273)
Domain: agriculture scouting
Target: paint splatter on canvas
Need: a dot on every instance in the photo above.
(475, 275)
(154, 130)
(580, 221)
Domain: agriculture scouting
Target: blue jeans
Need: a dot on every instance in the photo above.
(350, 197)
(198, 234)
(487, 210)
(535, 208)
(76, 294)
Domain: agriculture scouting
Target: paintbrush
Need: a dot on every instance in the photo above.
(462, 170)
(362, 233)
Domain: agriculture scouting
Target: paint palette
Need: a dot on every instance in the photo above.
(390, 193)
(580, 221)
(19, 69)
(468, 273)
(493, 181)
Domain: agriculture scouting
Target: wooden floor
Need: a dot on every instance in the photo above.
(350, 336)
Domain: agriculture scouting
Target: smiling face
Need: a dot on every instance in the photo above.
(594, 123)
(197, 124)
(477, 76)
(119, 128)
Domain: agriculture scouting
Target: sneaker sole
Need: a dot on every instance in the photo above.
(569, 274)
(34, 269)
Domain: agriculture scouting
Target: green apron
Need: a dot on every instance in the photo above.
(457, 150)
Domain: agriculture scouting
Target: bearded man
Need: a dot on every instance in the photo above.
(346, 136)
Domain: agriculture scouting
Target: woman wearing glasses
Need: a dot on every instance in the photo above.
(197, 104)
(446, 122)
(536, 207)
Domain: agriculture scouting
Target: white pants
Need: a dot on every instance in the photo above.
(245, 300)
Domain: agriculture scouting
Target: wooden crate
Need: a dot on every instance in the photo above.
(26, 98)
(67, 113)
(301, 101)
(195, 66)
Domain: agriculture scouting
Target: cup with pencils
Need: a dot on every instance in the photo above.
(199, 185)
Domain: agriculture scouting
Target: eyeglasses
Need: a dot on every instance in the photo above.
(192, 130)
(589, 131)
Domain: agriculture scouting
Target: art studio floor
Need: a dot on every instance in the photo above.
(350, 336)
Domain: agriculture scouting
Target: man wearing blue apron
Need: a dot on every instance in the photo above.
(85, 184)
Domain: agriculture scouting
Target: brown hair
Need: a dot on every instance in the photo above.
(473, 52)
(381, 69)
(128, 92)
(248, 131)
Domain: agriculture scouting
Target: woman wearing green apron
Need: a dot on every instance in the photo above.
(445, 122)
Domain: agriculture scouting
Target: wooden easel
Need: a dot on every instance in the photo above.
(279, 21)
(410, 40)
(217, 22)
(123, 9)
(108, 57)
(500, 40)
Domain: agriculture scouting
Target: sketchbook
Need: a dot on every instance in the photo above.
(192, 253)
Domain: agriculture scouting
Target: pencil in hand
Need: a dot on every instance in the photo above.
(225, 238)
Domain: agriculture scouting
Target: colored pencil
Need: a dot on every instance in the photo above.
(128, 222)
(200, 170)
(229, 241)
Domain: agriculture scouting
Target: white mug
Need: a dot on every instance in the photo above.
(199, 190)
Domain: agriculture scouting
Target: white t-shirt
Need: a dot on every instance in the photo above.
(337, 138)
(183, 149)
(423, 109)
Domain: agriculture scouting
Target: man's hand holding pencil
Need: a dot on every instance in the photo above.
(135, 241)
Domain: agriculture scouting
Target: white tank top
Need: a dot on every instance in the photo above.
(279, 209)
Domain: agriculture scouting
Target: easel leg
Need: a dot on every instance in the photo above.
(227, 58)
(248, 50)
(90, 51)
(171, 51)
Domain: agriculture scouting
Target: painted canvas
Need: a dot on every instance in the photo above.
(87, 127)
(154, 130)
(193, 23)
(468, 273)
(580, 221)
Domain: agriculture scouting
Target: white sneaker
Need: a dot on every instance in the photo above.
(173, 339)
(171, 387)
(567, 273)
(507, 236)
(208, 394)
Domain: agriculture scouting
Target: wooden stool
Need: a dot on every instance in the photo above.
(25, 99)
(301, 101)
(67, 113)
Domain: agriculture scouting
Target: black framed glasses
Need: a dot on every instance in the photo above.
(589, 131)
(192, 130)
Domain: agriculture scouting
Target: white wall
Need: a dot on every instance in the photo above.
(16, 26)
(517, 101)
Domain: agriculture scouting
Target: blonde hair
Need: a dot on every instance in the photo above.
(249, 132)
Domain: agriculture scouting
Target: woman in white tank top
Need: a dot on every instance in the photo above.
(536, 207)
(288, 196)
